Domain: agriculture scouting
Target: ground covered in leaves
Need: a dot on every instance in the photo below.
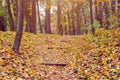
(87, 57)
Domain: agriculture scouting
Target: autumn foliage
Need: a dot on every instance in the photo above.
(87, 57)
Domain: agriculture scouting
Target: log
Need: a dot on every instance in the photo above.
(54, 64)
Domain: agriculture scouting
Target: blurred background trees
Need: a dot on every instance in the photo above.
(64, 17)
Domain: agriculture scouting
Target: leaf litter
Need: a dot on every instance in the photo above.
(88, 57)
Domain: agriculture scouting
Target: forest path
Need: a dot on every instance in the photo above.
(36, 49)
(56, 51)
(86, 57)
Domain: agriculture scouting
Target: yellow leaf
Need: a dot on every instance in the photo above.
(1, 62)
(19, 78)
(104, 61)
(30, 72)
(105, 68)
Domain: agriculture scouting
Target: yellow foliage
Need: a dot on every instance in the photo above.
(87, 57)
(30, 72)
(2, 62)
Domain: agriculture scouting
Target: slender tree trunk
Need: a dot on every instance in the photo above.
(59, 24)
(100, 14)
(118, 13)
(113, 4)
(28, 18)
(2, 24)
(39, 18)
(34, 16)
(69, 22)
(84, 16)
(91, 17)
(96, 11)
(11, 21)
(78, 29)
(16, 12)
(107, 14)
(47, 17)
(19, 30)
(73, 23)
(16, 4)
(85, 22)
(26, 28)
(65, 26)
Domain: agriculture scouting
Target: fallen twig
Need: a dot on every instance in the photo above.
(54, 64)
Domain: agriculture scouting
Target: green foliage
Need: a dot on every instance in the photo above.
(113, 20)
(3, 12)
(89, 27)
(96, 24)
(86, 27)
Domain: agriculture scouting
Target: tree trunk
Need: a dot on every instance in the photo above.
(84, 16)
(73, 21)
(16, 4)
(100, 14)
(113, 4)
(47, 17)
(91, 17)
(59, 24)
(85, 22)
(118, 13)
(69, 22)
(11, 22)
(39, 18)
(34, 16)
(96, 11)
(2, 24)
(16, 12)
(65, 26)
(106, 14)
(19, 30)
(78, 29)
(28, 18)
(14, 9)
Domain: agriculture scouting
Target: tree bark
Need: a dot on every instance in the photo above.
(34, 16)
(100, 14)
(113, 4)
(107, 14)
(69, 22)
(47, 17)
(2, 24)
(16, 12)
(73, 21)
(39, 18)
(59, 24)
(96, 10)
(118, 13)
(78, 29)
(28, 18)
(19, 30)
(11, 21)
(91, 17)
(65, 26)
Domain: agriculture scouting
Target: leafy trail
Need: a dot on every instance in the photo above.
(87, 57)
